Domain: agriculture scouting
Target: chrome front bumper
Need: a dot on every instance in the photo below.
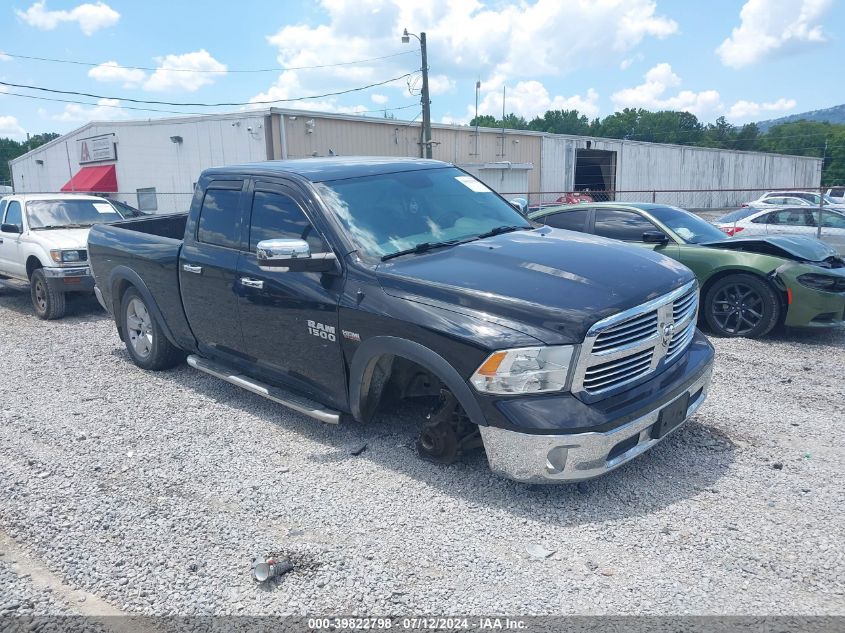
(563, 458)
(53, 272)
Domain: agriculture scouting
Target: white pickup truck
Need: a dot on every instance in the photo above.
(43, 241)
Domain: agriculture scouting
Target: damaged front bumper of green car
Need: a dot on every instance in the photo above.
(815, 295)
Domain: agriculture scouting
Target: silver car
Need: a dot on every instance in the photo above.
(803, 220)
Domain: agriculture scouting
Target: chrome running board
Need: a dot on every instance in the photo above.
(290, 400)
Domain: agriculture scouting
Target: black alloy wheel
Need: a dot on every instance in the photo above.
(741, 305)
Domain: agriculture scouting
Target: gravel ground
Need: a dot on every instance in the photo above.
(155, 491)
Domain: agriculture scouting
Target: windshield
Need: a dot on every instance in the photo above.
(58, 214)
(690, 228)
(389, 213)
(736, 216)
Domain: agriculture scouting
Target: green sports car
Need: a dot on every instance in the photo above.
(748, 285)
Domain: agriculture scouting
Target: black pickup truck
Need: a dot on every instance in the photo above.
(333, 285)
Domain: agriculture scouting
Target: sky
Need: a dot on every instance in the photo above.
(746, 61)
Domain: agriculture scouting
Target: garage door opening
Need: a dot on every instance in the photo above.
(595, 172)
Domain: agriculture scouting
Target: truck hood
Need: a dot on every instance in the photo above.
(548, 283)
(61, 238)
(795, 247)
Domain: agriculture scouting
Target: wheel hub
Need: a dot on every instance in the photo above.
(139, 327)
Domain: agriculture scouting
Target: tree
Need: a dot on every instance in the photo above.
(39, 139)
(561, 122)
(485, 120)
(11, 149)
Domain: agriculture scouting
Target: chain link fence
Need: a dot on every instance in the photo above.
(706, 201)
(709, 203)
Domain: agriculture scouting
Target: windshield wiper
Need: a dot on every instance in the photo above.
(419, 248)
(501, 229)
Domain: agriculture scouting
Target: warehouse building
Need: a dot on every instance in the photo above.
(153, 164)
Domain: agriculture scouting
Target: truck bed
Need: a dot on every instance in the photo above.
(149, 247)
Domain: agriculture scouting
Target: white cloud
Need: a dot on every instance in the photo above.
(179, 72)
(89, 17)
(626, 63)
(4, 57)
(105, 110)
(770, 27)
(439, 84)
(529, 99)
(707, 104)
(651, 95)
(287, 86)
(751, 110)
(379, 98)
(114, 72)
(10, 128)
(500, 42)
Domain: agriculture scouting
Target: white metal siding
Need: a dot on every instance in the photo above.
(147, 157)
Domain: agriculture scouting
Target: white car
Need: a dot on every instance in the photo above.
(787, 220)
(44, 241)
(837, 194)
(791, 198)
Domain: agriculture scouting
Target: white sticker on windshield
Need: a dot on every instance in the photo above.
(103, 207)
(472, 183)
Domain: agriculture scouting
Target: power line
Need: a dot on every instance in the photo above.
(204, 105)
(195, 70)
(123, 107)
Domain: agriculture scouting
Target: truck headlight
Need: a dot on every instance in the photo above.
(524, 370)
(66, 257)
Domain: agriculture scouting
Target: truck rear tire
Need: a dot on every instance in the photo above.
(48, 302)
(145, 340)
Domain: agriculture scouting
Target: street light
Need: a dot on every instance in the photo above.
(425, 147)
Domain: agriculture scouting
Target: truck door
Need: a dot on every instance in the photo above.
(290, 319)
(208, 266)
(10, 243)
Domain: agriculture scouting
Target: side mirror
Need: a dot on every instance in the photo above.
(289, 255)
(10, 228)
(655, 237)
(520, 204)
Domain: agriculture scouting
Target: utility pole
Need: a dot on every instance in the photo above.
(504, 97)
(425, 100)
(821, 196)
(477, 88)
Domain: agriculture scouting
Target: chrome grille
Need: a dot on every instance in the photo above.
(633, 344)
(599, 376)
(684, 313)
(629, 332)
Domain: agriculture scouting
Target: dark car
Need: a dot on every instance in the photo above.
(330, 284)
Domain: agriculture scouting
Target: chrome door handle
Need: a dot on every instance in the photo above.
(189, 268)
(252, 283)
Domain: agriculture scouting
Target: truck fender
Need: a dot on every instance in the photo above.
(379, 346)
(123, 273)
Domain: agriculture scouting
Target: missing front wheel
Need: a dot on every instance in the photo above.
(447, 432)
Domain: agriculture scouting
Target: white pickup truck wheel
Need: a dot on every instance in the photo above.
(145, 340)
(48, 303)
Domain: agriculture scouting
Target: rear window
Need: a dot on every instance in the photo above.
(571, 220)
(219, 218)
(736, 216)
